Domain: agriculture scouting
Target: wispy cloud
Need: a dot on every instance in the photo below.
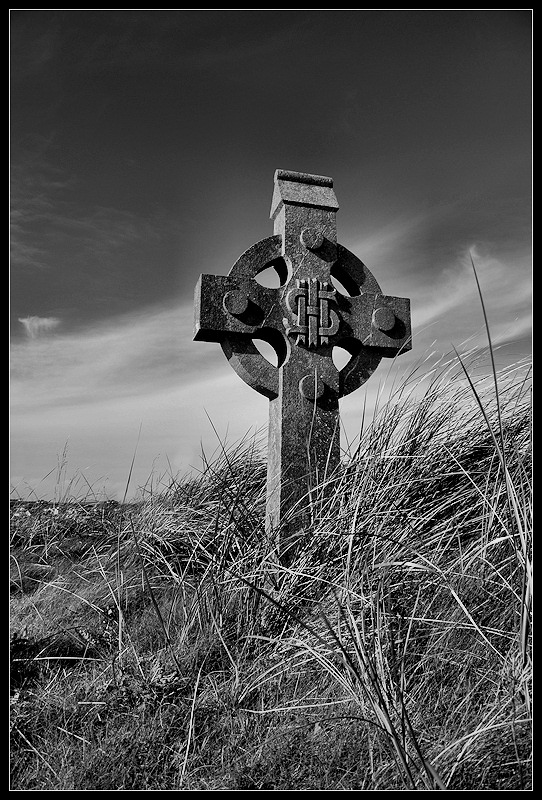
(450, 308)
(427, 256)
(96, 231)
(141, 352)
(51, 217)
(96, 386)
(36, 326)
(36, 189)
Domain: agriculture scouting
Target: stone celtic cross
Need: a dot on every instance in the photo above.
(304, 319)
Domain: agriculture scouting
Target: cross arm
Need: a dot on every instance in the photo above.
(224, 305)
(379, 321)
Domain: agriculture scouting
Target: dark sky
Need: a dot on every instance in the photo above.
(143, 148)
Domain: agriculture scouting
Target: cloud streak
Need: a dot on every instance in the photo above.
(427, 257)
(42, 212)
(451, 307)
(137, 352)
(36, 326)
(96, 386)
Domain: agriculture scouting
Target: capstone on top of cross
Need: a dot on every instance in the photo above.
(302, 189)
(302, 177)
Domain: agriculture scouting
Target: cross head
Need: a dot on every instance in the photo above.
(327, 297)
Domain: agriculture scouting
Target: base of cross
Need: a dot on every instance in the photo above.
(303, 319)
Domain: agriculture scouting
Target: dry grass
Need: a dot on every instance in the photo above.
(160, 645)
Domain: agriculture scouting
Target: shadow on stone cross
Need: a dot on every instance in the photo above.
(302, 319)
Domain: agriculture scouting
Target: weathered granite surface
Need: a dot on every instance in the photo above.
(303, 320)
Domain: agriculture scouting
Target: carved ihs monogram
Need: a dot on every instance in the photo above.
(308, 303)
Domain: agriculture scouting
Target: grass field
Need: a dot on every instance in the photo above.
(160, 645)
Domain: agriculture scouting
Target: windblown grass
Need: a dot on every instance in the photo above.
(161, 645)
